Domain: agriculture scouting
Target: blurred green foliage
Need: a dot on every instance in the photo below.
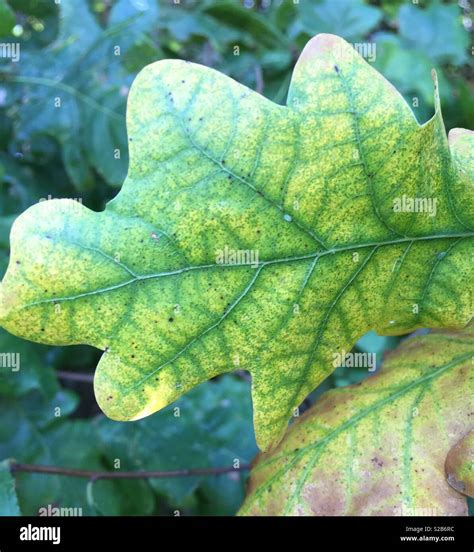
(209, 427)
(62, 134)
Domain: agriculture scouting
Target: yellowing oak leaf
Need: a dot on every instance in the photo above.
(460, 463)
(251, 235)
(379, 448)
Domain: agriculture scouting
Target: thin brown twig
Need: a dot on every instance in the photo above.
(75, 376)
(96, 475)
(259, 82)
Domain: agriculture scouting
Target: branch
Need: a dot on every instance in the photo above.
(259, 82)
(75, 376)
(96, 475)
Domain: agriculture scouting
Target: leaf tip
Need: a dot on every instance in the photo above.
(321, 44)
(456, 133)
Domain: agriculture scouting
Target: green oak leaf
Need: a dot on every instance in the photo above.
(23, 365)
(379, 448)
(308, 190)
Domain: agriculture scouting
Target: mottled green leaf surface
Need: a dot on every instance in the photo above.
(309, 188)
(379, 448)
(24, 366)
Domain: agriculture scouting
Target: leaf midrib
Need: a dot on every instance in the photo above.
(259, 265)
